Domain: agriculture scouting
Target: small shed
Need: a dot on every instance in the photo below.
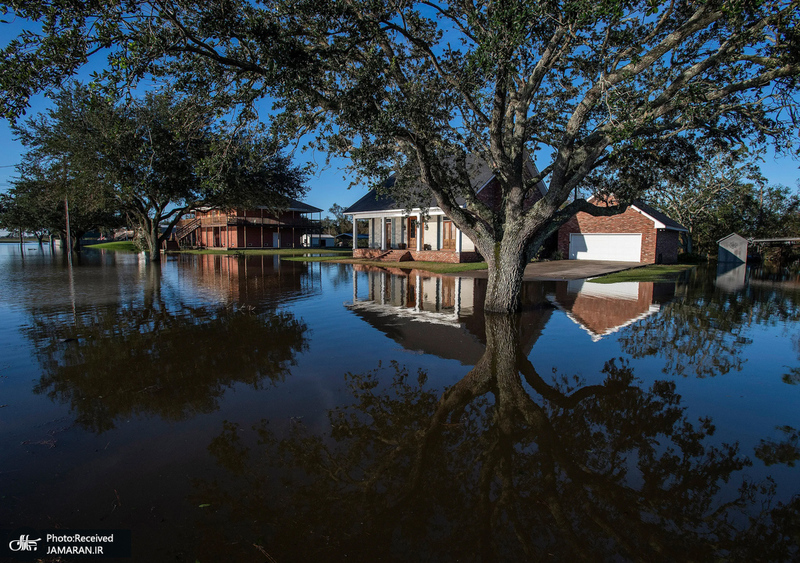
(732, 248)
(313, 240)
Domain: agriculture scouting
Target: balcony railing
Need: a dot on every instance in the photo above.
(223, 221)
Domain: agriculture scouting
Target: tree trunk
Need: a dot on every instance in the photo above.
(152, 243)
(506, 267)
(150, 233)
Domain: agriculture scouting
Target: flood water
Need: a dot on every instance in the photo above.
(231, 409)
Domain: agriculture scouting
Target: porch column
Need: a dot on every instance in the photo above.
(418, 293)
(383, 233)
(458, 241)
(355, 234)
(355, 285)
(419, 232)
(458, 298)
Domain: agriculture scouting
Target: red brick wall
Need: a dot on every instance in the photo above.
(629, 222)
(667, 246)
(490, 195)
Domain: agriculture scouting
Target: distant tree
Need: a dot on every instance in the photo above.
(700, 199)
(42, 198)
(755, 211)
(340, 220)
(603, 93)
(726, 193)
(13, 217)
(153, 159)
(774, 211)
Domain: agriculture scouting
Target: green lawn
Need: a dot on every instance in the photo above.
(435, 267)
(652, 273)
(125, 246)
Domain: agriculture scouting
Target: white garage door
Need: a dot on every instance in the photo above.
(621, 247)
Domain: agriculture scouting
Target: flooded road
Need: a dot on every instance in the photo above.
(253, 409)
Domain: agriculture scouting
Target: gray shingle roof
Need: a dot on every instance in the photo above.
(295, 205)
(661, 217)
(481, 173)
(377, 199)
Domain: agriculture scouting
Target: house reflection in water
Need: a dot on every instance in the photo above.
(251, 280)
(601, 309)
(438, 314)
(436, 299)
(419, 311)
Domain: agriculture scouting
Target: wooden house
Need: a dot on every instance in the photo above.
(258, 227)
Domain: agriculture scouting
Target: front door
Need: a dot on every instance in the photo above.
(448, 235)
(276, 240)
(412, 233)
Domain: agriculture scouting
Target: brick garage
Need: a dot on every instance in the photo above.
(659, 236)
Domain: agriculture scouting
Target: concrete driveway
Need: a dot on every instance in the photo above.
(558, 270)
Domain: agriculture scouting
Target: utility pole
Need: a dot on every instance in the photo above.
(69, 233)
(66, 210)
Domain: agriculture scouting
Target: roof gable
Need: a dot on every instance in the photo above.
(659, 217)
(660, 220)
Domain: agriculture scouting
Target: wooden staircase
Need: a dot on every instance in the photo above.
(187, 228)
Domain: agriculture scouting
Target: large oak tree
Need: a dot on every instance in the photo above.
(152, 159)
(603, 93)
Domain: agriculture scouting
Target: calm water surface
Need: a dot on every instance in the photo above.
(228, 409)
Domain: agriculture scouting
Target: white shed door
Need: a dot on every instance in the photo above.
(620, 247)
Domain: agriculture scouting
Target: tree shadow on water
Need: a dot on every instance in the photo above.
(502, 466)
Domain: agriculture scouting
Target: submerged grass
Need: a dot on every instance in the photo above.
(125, 246)
(435, 267)
(654, 273)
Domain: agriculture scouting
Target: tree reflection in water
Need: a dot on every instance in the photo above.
(703, 333)
(505, 466)
(159, 356)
